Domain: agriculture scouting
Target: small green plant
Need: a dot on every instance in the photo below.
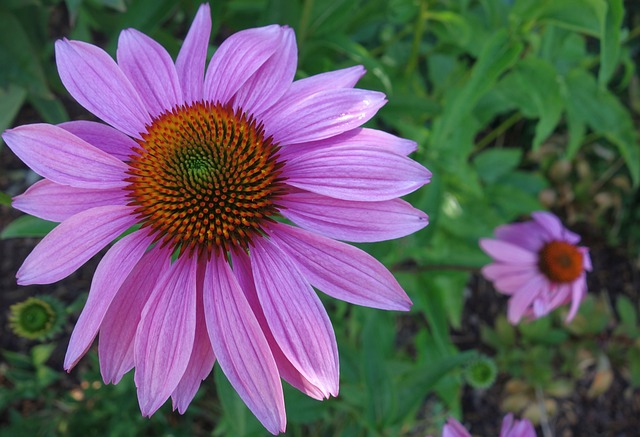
(37, 318)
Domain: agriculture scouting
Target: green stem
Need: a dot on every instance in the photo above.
(307, 7)
(417, 38)
(501, 129)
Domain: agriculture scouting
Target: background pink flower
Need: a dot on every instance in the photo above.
(538, 264)
(510, 428)
(208, 164)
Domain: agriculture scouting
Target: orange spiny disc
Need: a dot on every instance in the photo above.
(561, 261)
(204, 178)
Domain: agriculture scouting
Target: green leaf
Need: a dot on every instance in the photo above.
(626, 310)
(532, 86)
(603, 112)
(415, 384)
(20, 62)
(11, 100)
(27, 226)
(493, 164)
(50, 109)
(610, 41)
(499, 53)
(41, 353)
(5, 199)
(236, 414)
(585, 16)
(377, 346)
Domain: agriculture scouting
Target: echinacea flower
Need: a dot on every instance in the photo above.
(509, 428)
(538, 264)
(204, 168)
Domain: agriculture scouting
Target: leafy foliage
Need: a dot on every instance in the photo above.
(485, 88)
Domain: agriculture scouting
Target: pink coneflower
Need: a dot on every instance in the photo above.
(539, 265)
(510, 428)
(207, 165)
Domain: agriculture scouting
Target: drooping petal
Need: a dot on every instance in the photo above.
(578, 292)
(350, 220)
(102, 136)
(61, 157)
(193, 55)
(150, 69)
(511, 283)
(297, 319)
(237, 59)
(96, 82)
(240, 346)
(519, 302)
(165, 336)
(453, 428)
(360, 174)
(272, 79)
(242, 271)
(202, 357)
(340, 270)
(73, 242)
(50, 201)
(109, 276)
(118, 328)
(508, 253)
(363, 138)
(496, 271)
(322, 115)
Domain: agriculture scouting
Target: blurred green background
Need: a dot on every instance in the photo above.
(517, 105)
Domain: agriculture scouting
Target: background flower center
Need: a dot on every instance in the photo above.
(204, 178)
(561, 261)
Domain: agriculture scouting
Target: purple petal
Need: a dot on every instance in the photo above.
(103, 137)
(193, 55)
(304, 88)
(578, 292)
(242, 271)
(272, 79)
(297, 319)
(98, 84)
(51, 201)
(150, 69)
(73, 242)
(165, 336)
(362, 138)
(118, 328)
(61, 157)
(527, 235)
(352, 221)
(549, 223)
(586, 259)
(340, 270)
(322, 115)
(519, 303)
(513, 283)
(351, 173)
(109, 276)
(237, 59)
(201, 361)
(240, 346)
(494, 271)
(507, 252)
(453, 428)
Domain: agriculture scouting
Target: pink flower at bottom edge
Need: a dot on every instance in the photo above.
(539, 264)
(509, 428)
(207, 164)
